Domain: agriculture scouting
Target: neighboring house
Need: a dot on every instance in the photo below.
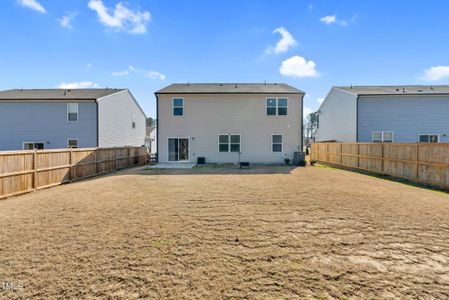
(62, 118)
(228, 123)
(150, 140)
(385, 114)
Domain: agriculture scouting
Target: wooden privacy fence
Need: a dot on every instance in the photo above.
(25, 171)
(426, 163)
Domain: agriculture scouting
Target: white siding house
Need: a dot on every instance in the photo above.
(61, 118)
(385, 114)
(228, 123)
(121, 120)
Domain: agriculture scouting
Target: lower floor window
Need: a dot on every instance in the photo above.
(229, 143)
(32, 146)
(72, 143)
(429, 138)
(276, 143)
(382, 137)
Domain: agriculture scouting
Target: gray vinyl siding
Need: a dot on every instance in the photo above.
(406, 116)
(337, 117)
(46, 122)
(207, 116)
(115, 113)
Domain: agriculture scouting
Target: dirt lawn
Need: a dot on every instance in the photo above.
(269, 232)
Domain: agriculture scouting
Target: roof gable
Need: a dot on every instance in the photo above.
(57, 94)
(396, 90)
(229, 88)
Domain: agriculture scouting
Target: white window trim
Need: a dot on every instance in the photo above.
(229, 142)
(23, 145)
(168, 149)
(429, 134)
(277, 106)
(77, 112)
(173, 106)
(382, 136)
(77, 143)
(282, 143)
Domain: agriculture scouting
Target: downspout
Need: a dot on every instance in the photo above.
(157, 128)
(357, 119)
(302, 124)
(98, 125)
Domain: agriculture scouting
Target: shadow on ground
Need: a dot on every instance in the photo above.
(220, 169)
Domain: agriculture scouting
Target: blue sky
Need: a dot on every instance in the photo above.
(145, 45)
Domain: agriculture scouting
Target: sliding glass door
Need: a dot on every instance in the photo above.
(178, 149)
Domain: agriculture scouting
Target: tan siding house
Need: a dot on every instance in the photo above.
(228, 123)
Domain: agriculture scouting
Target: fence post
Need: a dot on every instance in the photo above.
(358, 155)
(340, 153)
(35, 169)
(382, 158)
(417, 160)
(116, 158)
(327, 152)
(96, 161)
(71, 170)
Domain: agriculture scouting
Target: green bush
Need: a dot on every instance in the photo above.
(287, 161)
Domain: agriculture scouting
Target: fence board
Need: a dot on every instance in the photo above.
(25, 171)
(427, 163)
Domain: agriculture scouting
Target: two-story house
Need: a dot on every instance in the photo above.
(406, 113)
(228, 123)
(69, 118)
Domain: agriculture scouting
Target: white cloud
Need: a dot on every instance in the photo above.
(297, 66)
(329, 19)
(306, 111)
(33, 4)
(332, 19)
(320, 100)
(120, 73)
(121, 17)
(286, 42)
(89, 66)
(78, 85)
(436, 73)
(156, 75)
(131, 69)
(66, 20)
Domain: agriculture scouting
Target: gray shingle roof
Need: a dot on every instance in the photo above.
(229, 88)
(56, 94)
(397, 90)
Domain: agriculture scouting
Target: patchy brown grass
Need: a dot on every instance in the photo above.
(267, 232)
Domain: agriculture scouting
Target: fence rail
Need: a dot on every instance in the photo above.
(26, 171)
(426, 163)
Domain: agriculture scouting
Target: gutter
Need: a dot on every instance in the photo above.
(157, 128)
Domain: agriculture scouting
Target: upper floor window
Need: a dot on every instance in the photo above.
(72, 112)
(133, 121)
(229, 143)
(277, 106)
(429, 138)
(178, 107)
(382, 136)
